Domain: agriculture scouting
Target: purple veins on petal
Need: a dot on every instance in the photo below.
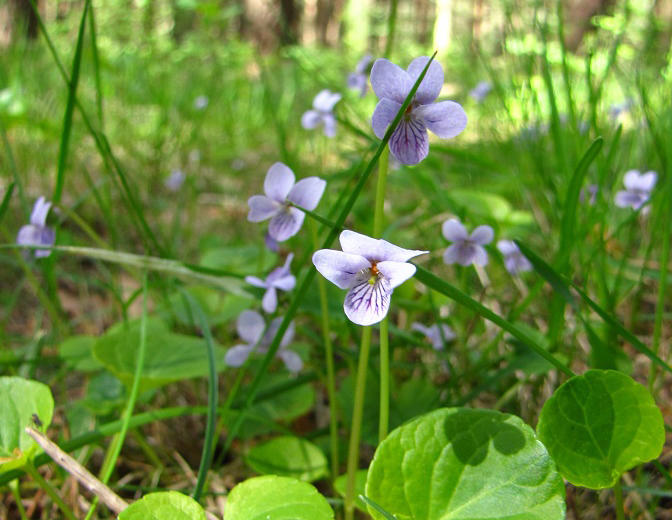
(409, 142)
(367, 302)
(446, 119)
(286, 223)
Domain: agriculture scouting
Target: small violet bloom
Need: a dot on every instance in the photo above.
(514, 261)
(638, 187)
(409, 142)
(436, 336)
(358, 80)
(467, 249)
(250, 326)
(201, 102)
(480, 91)
(279, 278)
(322, 113)
(271, 243)
(589, 191)
(175, 180)
(281, 196)
(370, 269)
(37, 233)
(617, 109)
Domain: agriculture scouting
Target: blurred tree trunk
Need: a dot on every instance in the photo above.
(290, 22)
(23, 20)
(184, 20)
(327, 21)
(579, 14)
(422, 25)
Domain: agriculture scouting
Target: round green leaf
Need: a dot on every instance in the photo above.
(460, 463)
(290, 457)
(164, 505)
(598, 425)
(276, 498)
(19, 400)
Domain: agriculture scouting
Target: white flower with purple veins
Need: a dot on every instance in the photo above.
(437, 337)
(480, 91)
(359, 79)
(281, 197)
(279, 278)
(467, 249)
(175, 180)
(201, 102)
(514, 260)
(250, 326)
(638, 187)
(322, 113)
(409, 142)
(37, 233)
(370, 269)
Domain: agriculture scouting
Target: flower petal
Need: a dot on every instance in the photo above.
(446, 118)
(374, 250)
(507, 247)
(338, 267)
(262, 208)
(329, 125)
(390, 81)
(462, 253)
(273, 330)
(292, 360)
(250, 326)
(644, 182)
(431, 84)
(279, 180)
(236, 356)
(363, 64)
(310, 119)
(257, 282)
(480, 255)
(367, 303)
(409, 142)
(421, 328)
(454, 231)
(633, 199)
(38, 217)
(325, 100)
(482, 235)
(383, 115)
(307, 192)
(286, 224)
(286, 283)
(270, 300)
(396, 272)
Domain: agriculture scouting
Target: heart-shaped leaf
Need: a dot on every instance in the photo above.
(21, 402)
(290, 457)
(276, 498)
(164, 505)
(460, 463)
(598, 425)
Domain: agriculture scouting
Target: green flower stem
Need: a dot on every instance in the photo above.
(355, 432)
(49, 489)
(17, 499)
(618, 497)
(329, 355)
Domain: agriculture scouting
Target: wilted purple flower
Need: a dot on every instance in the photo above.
(467, 249)
(37, 233)
(480, 91)
(281, 196)
(638, 187)
(437, 337)
(323, 105)
(514, 261)
(359, 80)
(279, 278)
(175, 180)
(201, 102)
(370, 269)
(409, 142)
(250, 326)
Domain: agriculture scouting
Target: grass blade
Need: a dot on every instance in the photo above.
(6, 199)
(373, 505)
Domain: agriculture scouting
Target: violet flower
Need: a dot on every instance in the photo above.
(638, 187)
(480, 91)
(467, 249)
(617, 109)
(591, 192)
(250, 326)
(279, 278)
(514, 260)
(370, 269)
(37, 233)
(271, 243)
(359, 79)
(201, 102)
(409, 142)
(322, 113)
(437, 337)
(175, 180)
(281, 195)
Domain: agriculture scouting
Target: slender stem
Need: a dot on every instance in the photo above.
(355, 432)
(14, 485)
(331, 377)
(618, 497)
(391, 25)
(53, 494)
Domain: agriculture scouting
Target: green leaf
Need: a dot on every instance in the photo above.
(289, 457)
(164, 505)
(276, 498)
(169, 357)
(19, 400)
(461, 463)
(77, 353)
(598, 425)
(360, 484)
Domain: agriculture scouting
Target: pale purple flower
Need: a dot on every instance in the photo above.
(271, 243)
(370, 269)
(359, 79)
(175, 180)
(250, 326)
(617, 109)
(409, 142)
(281, 196)
(638, 187)
(480, 91)
(201, 102)
(279, 278)
(590, 191)
(437, 337)
(514, 260)
(37, 233)
(467, 249)
(322, 112)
